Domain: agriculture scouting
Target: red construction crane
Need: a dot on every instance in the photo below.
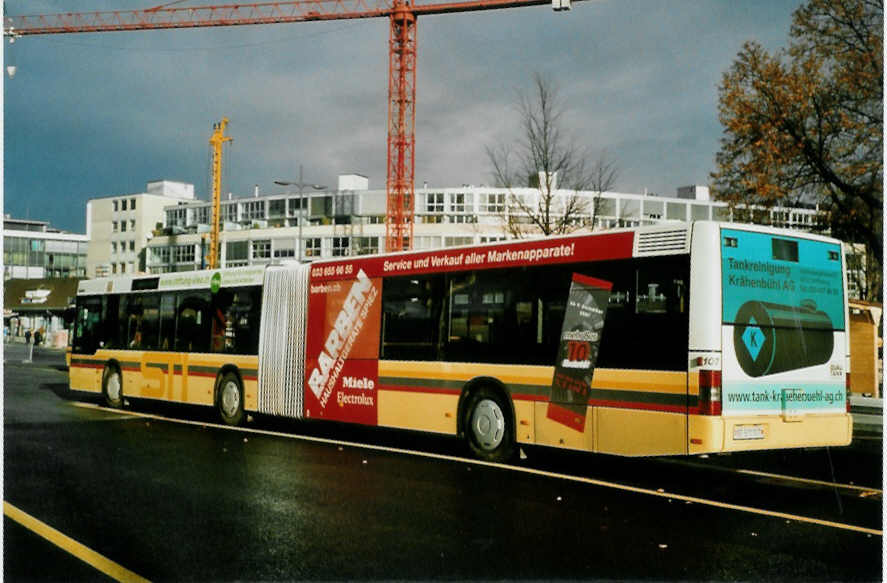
(401, 67)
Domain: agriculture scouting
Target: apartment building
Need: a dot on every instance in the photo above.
(119, 227)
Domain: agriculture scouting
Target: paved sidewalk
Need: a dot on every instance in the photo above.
(14, 352)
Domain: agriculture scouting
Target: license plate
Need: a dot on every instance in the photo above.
(741, 432)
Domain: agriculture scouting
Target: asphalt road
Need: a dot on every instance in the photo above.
(168, 500)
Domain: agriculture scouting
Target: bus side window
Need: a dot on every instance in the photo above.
(111, 327)
(411, 317)
(133, 323)
(89, 311)
(493, 316)
(662, 312)
(193, 322)
(234, 320)
(167, 321)
(142, 316)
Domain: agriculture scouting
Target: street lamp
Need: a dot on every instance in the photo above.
(302, 204)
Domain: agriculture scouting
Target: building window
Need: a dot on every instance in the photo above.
(160, 254)
(122, 226)
(493, 203)
(132, 204)
(277, 208)
(114, 226)
(201, 215)
(457, 241)
(340, 246)
(184, 254)
(132, 224)
(236, 251)
(493, 239)
(283, 253)
(261, 249)
(463, 219)
(123, 204)
(312, 247)
(296, 205)
(229, 213)
(254, 210)
(457, 202)
(177, 217)
(364, 245)
(113, 247)
(434, 202)
(132, 245)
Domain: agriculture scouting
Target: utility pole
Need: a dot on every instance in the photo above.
(302, 205)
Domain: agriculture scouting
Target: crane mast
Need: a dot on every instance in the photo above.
(216, 140)
(403, 15)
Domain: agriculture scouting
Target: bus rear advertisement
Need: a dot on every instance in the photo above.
(678, 339)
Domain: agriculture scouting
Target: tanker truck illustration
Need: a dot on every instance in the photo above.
(771, 338)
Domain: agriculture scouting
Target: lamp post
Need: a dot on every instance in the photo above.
(302, 204)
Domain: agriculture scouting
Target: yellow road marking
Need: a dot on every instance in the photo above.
(64, 542)
(865, 490)
(547, 474)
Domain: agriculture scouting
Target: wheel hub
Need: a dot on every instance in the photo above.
(230, 399)
(488, 424)
(113, 387)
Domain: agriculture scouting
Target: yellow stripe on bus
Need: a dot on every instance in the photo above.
(619, 379)
(462, 371)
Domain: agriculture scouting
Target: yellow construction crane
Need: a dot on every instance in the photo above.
(218, 138)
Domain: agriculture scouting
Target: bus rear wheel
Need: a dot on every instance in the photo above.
(112, 386)
(488, 426)
(229, 399)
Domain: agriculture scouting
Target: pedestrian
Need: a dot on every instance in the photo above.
(28, 336)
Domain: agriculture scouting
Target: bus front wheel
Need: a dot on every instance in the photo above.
(488, 426)
(112, 386)
(230, 399)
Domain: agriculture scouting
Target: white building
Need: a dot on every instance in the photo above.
(119, 227)
(350, 221)
(35, 250)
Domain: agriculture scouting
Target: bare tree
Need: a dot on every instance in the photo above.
(604, 173)
(546, 158)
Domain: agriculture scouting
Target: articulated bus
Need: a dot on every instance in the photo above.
(678, 339)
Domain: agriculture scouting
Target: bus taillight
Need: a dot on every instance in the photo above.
(709, 392)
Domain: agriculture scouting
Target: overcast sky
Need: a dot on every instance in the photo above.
(93, 115)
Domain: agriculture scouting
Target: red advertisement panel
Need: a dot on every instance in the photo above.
(536, 252)
(342, 350)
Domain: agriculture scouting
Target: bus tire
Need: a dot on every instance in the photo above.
(229, 398)
(112, 386)
(488, 425)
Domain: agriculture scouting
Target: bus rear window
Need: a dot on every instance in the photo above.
(785, 250)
